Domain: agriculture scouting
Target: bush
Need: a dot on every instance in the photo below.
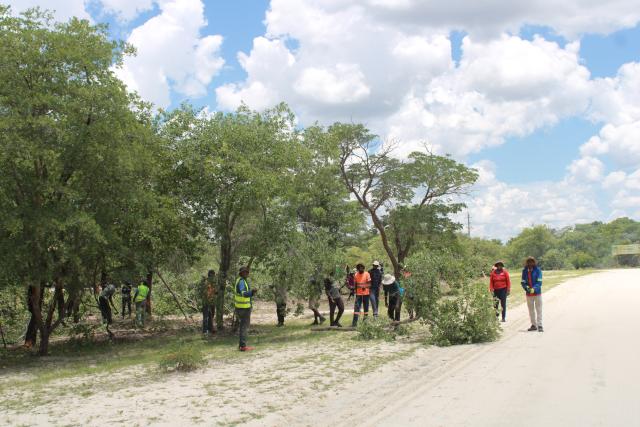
(375, 328)
(186, 358)
(467, 318)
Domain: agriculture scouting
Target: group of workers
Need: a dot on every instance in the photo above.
(363, 285)
(140, 293)
(531, 281)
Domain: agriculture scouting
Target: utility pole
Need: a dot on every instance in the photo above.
(468, 224)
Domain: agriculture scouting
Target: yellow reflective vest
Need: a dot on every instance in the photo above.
(240, 300)
(143, 291)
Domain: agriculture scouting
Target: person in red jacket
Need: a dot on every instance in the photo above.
(500, 286)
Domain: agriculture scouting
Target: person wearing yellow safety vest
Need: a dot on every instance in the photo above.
(242, 299)
(140, 299)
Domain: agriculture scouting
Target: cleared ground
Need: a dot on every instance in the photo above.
(582, 371)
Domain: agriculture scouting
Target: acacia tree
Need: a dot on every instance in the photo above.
(230, 171)
(77, 155)
(408, 201)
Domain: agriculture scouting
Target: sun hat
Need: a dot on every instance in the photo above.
(388, 279)
(498, 262)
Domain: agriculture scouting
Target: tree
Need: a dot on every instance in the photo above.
(76, 151)
(535, 242)
(418, 194)
(230, 170)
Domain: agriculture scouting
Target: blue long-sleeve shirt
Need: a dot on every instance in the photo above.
(242, 288)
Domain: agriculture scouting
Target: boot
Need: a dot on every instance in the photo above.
(532, 328)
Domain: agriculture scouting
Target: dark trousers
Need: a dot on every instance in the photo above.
(500, 296)
(105, 309)
(362, 302)
(208, 313)
(244, 319)
(126, 302)
(281, 311)
(339, 304)
(393, 310)
(375, 300)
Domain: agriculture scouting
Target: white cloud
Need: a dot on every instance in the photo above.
(490, 17)
(403, 84)
(500, 210)
(586, 169)
(172, 54)
(126, 10)
(345, 83)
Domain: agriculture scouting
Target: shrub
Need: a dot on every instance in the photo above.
(185, 358)
(468, 317)
(375, 328)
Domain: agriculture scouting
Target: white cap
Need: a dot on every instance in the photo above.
(376, 263)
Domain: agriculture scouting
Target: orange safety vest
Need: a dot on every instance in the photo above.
(363, 283)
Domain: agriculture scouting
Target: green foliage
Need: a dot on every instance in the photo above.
(13, 316)
(184, 358)
(466, 318)
(418, 194)
(82, 194)
(535, 242)
(584, 245)
(375, 328)
(582, 260)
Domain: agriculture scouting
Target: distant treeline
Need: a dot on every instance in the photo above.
(579, 246)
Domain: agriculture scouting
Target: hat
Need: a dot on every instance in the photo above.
(244, 269)
(498, 263)
(376, 263)
(388, 279)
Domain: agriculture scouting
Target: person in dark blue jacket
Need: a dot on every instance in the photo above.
(532, 285)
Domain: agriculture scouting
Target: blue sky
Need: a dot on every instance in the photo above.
(543, 99)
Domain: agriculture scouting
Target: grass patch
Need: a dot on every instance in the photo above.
(184, 358)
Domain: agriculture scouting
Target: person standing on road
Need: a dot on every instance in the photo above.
(532, 285)
(105, 302)
(243, 303)
(125, 292)
(140, 300)
(376, 281)
(208, 297)
(500, 286)
(335, 300)
(363, 290)
(393, 294)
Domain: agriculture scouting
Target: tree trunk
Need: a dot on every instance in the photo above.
(385, 243)
(32, 328)
(223, 275)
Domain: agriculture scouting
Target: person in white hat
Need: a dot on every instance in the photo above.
(376, 280)
(392, 296)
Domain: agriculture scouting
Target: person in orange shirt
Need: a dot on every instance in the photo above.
(500, 286)
(363, 289)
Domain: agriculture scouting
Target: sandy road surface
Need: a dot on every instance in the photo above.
(584, 370)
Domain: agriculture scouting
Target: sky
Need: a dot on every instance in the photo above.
(541, 97)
